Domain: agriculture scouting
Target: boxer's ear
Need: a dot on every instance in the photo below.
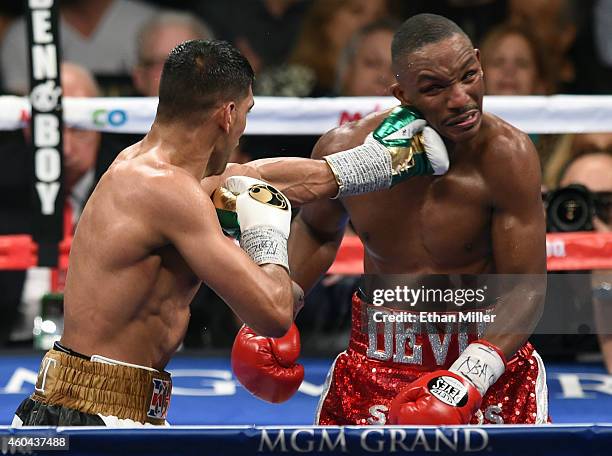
(227, 115)
(478, 57)
(400, 94)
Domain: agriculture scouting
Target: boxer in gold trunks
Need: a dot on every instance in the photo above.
(149, 236)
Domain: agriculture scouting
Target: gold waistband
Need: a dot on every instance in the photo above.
(99, 388)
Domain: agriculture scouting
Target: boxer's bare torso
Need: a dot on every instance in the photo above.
(485, 215)
(128, 290)
(462, 222)
(146, 240)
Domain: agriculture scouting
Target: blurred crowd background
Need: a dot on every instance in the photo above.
(304, 48)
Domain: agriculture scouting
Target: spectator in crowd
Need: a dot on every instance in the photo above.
(594, 171)
(364, 69)
(264, 30)
(327, 28)
(156, 38)
(80, 147)
(475, 17)
(513, 62)
(593, 141)
(568, 147)
(553, 22)
(99, 35)
(80, 150)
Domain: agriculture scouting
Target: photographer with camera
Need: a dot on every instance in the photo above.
(583, 202)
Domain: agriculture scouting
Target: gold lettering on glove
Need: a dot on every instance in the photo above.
(402, 158)
(267, 194)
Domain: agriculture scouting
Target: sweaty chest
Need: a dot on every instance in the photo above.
(427, 224)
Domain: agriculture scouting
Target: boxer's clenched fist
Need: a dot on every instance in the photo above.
(401, 147)
(258, 215)
(266, 366)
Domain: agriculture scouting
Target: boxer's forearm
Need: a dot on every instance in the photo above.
(517, 313)
(302, 180)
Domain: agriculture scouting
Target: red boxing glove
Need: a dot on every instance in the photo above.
(450, 396)
(441, 397)
(266, 366)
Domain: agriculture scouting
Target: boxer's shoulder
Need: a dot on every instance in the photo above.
(148, 183)
(149, 169)
(500, 138)
(509, 157)
(348, 135)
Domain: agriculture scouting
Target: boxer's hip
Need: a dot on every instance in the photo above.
(102, 387)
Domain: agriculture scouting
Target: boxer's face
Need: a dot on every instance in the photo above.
(235, 114)
(444, 81)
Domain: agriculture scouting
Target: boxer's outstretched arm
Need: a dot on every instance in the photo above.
(302, 180)
(518, 239)
(318, 229)
(355, 162)
(184, 215)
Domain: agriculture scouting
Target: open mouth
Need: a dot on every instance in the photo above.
(466, 120)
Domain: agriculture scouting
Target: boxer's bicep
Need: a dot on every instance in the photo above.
(518, 224)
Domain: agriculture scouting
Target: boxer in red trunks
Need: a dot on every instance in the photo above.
(484, 216)
(366, 377)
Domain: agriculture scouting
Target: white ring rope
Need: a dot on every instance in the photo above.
(314, 116)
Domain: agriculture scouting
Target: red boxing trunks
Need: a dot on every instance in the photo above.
(385, 357)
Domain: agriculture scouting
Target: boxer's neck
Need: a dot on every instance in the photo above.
(182, 145)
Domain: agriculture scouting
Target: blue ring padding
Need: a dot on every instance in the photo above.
(491, 440)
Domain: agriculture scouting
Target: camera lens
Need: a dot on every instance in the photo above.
(569, 209)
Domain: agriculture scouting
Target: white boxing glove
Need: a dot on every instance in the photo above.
(264, 216)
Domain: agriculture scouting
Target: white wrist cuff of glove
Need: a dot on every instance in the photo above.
(481, 365)
(265, 245)
(362, 169)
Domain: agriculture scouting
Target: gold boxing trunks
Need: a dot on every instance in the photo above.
(98, 388)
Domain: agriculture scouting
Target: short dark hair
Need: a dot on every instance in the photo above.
(198, 74)
(420, 30)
